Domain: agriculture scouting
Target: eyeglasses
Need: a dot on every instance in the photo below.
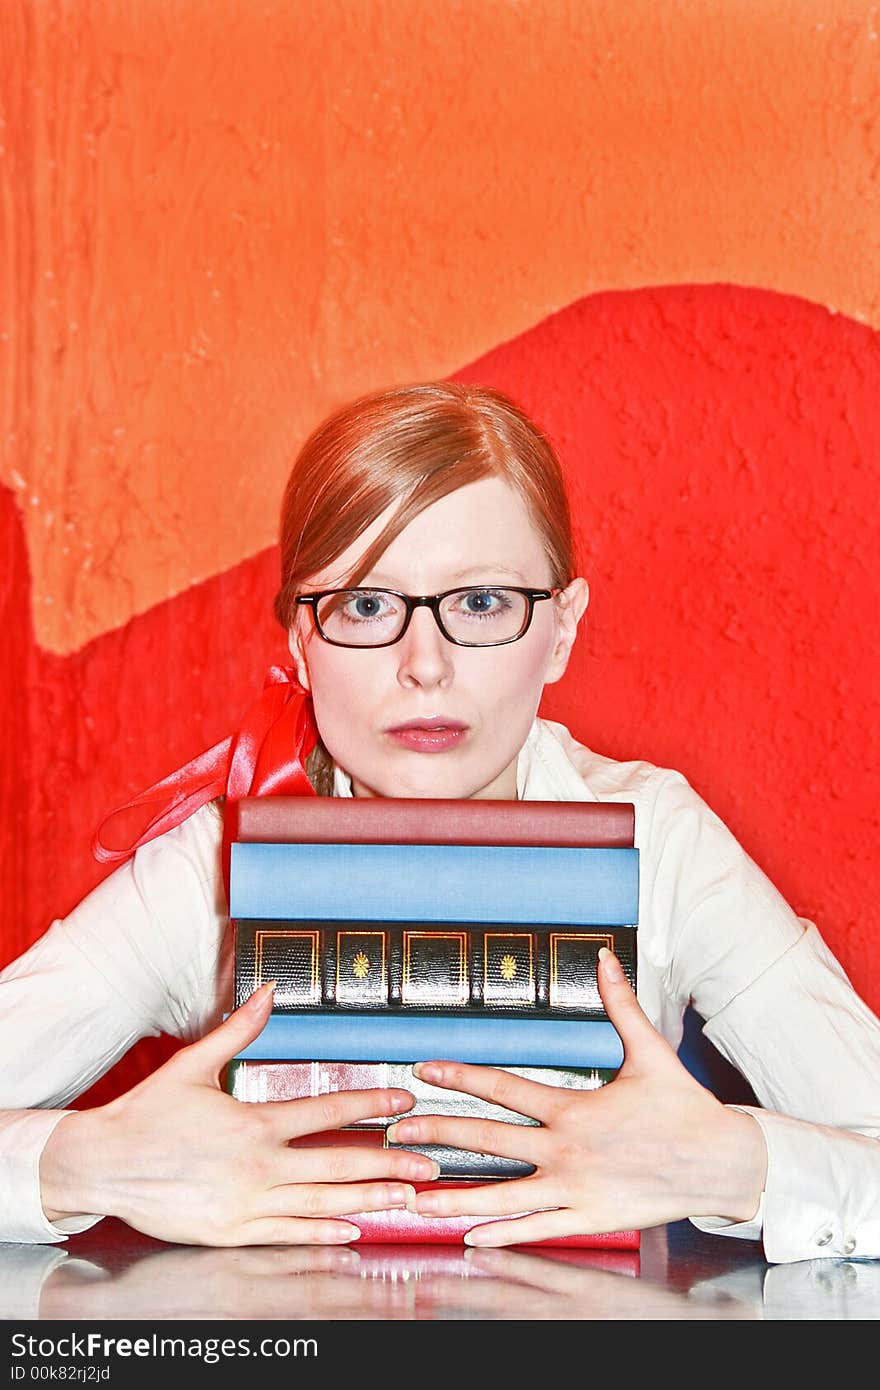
(487, 616)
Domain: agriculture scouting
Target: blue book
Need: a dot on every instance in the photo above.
(353, 1037)
(435, 883)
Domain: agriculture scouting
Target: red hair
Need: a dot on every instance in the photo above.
(413, 445)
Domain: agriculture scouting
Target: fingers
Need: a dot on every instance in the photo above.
(512, 1197)
(292, 1118)
(526, 1142)
(540, 1225)
(351, 1163)
(517, 1093)
(203, 1060)
(295, 1230)
(325, 1199)
(641, 1041)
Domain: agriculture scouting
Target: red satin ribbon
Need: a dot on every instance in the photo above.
(266, 757)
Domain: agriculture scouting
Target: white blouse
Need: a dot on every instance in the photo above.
(149, 952)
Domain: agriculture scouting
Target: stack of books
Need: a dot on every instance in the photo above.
(403, 930)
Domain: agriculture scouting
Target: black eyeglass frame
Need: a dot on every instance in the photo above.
(432, 601)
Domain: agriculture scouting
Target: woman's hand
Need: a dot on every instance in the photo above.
(651, 1146)
(179, 1159)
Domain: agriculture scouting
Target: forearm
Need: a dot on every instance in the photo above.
(733, 1164)
(71, 1166)
(24, 1136)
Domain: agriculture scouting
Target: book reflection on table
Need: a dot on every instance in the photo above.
(111, 1272)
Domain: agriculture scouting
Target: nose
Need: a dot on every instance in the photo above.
(425, 657)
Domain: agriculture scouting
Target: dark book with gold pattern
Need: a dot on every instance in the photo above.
(503, 969)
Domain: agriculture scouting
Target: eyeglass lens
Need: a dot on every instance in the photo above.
(370, 617)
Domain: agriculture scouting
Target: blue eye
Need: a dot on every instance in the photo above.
(480, 601)
(367, 606)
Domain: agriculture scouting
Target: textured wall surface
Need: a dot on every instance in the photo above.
(722, 449)
(219, 219)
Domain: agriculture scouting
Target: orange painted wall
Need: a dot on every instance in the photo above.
(218, 220)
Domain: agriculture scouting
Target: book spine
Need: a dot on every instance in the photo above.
(404, 1227)
(363, 1037)
(435, 883)
(255, 1081)
(498, 968)
(412, 820)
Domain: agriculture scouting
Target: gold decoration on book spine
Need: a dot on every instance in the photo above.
(509, 968)
(361, 968)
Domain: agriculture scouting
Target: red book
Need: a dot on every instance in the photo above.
(428, 821)
(405, 1227)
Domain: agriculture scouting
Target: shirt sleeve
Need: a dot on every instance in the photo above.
(145, 953)
(778, 1005)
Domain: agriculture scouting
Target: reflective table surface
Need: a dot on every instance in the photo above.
(113, 1273)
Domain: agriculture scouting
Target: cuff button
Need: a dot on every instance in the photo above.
(824, 1237)
(849, 1245)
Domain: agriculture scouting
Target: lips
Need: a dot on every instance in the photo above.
(435, 735)
(435, 723)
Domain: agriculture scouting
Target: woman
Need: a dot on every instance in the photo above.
(450, 494)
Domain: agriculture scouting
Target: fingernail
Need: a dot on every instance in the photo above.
(401, 1101)
(475, 1238)
(428, 1203)
(259, 995)
(423, 1169)
(611, 967)
(338, 1234)
(428, 1071)
(401, 1131)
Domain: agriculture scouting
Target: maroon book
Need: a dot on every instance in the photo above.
(426, 821)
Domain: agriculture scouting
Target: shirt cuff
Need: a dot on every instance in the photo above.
(822, 1192)
(23, 1136)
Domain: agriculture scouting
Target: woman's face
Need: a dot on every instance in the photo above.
(484, 698)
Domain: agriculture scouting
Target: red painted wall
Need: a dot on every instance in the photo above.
(723, 448)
